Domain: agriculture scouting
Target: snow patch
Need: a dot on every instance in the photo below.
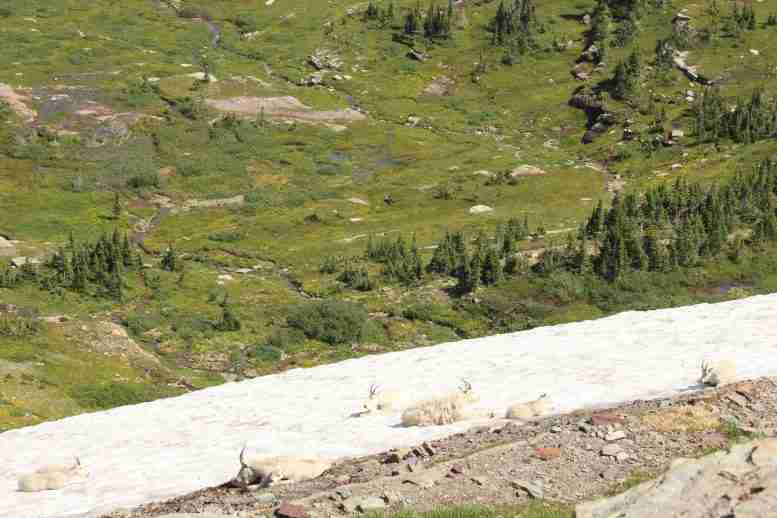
(166, 448)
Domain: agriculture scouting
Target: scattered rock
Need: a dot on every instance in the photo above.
(428, 448)
(738, 483)
(533, 490)
(418, 56)
(615, 436)
(527, 170)
(370, 504)
(611, 450)
(440, 86)
(480, 209)
(291, 511)
(547, 453)
(603, 419)
(480, 481)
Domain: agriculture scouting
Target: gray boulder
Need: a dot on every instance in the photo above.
(741, 483)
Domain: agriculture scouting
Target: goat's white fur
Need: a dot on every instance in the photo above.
(51, 477)
(382, 400)
(714, 374)
(529, 409)
(266, 471)
(444, 410)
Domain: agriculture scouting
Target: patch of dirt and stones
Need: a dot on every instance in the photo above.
(567, 458)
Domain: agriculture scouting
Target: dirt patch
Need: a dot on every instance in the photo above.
(113, 340)
(215, 203)
(684, 418)
(527, 170)
(17, 102)
(283, 108)
(440, 86)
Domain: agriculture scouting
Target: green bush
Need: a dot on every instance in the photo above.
(331, 321)
(101, 396)
(267, 353)
(284, 338)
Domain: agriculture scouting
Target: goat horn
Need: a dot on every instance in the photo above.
(373, 390)
(242, 464)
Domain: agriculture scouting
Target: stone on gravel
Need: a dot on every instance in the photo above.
(527, 170)
(480, 209)
(617, 435)
(611, 450)
(605, 419)
(198, 515)
(739, 483)
(533, 490)
(549, 453)
(370, 504)
(291, 511)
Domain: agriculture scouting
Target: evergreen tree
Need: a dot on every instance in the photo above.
(228, 320)
(168, 260)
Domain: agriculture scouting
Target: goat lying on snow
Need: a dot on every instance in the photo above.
(266, 471)
(382, 401)
(445, 410)
(529, 409)
(51, 477)
(718, 373)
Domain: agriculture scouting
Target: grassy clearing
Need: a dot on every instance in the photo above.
(312, 192)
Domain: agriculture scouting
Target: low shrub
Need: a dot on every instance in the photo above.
(331, 321)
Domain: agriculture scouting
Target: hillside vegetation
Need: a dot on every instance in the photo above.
(199, 191)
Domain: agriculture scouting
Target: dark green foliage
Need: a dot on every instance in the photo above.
(771, 21)
(328, 264)
(437, 23)
(267, 353)
(228, 321)
(750, 121)
(169, 259)
(101, 396)
(331, 321)
(625, 82)
(227, 236)
(601, 25)
(400, 262)
(515, 25)
(97, 266)
(284, 338)
(626, 31)
(383, 16)
(356, 277)
(14, 325)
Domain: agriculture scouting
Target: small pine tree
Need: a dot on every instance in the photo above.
(168, 260)
(228, 320)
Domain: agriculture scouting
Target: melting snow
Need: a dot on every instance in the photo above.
(170, 447)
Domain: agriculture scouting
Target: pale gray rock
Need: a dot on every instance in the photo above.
(742, 483)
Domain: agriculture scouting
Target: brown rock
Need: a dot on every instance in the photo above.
(548, 453)
(291, 511)
(428, 449)
(604, 418)
(457, 469)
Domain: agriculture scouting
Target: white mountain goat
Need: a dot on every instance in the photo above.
(444, 410)
(51, 477)
(266, 471)
(529, 409)
(382, 400)
(717, 373)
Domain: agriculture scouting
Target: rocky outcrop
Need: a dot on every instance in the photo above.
(741, 483)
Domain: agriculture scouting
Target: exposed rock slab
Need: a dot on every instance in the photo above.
(742, 483)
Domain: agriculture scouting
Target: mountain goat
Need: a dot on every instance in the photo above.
(381, 401)
(266, 471)
(718, 373)
(51, 477)
(445, 410)
(529, 409)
